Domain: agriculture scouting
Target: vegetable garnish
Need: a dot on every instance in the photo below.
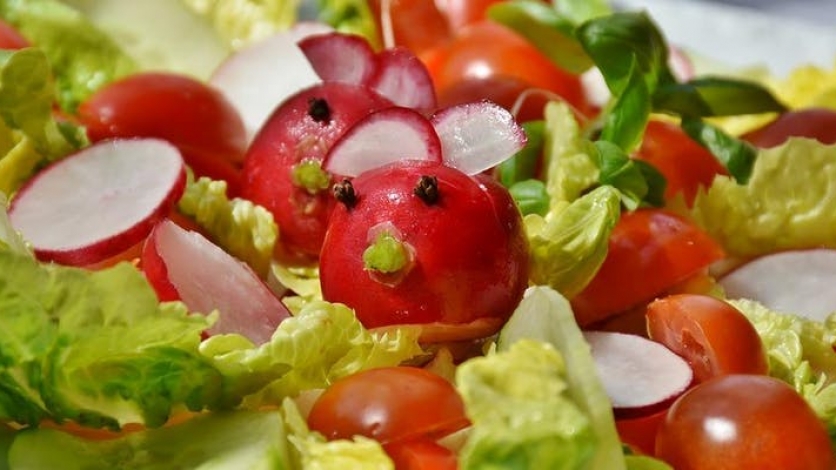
(373, 253)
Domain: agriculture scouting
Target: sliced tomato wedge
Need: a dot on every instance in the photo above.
(421, 454)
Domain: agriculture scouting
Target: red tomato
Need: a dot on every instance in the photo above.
(196, 118)
(416, 24)
(489, 61)
(389, 404)
(713, 336)
(814, 123)
(639, 433)
(10, 38)
(461, 13)
(650, 250)
(735, 422)
(686, 165)
(421, 454)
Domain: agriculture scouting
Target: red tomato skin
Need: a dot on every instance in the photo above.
(10, 38)
(470, 251)
(650, 250)
(489, 53)
(639, 433)
(421, 454)
(416, 24)
(390, 404)
(461, 13)
(713, 336)
(813, 123)
(735, 422)
(686, 165)
(196, 118)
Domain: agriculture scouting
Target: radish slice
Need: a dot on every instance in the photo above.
(383, 137)
(206, 278)
(100, 201)
(305, 29)
(340, 57)
(639, 375)
(477, 136)
(404, 79)
(257, 78)
(799, 282)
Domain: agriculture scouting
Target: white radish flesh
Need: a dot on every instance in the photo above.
(207, 278)
(100, 201)
(477, 136)
(383, 137)
(404, 79)
(257, 78)
(800, 282)
(340, 57)
(639, 375)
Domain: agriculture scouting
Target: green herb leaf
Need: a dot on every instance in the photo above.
(523, 165)
(625, 122)
(713, 96)
(531, 196)
(736, 155)
(638, 182)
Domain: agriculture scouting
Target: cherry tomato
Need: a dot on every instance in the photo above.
(10, 38)
(686, 165)
(650, 250)
(639, 433)
(388, 404)
(490, 61)
(814, 123)
(743, 422)
(198, 119)
(461, 13)
(421, 454)
(416, 24)
(713, 336)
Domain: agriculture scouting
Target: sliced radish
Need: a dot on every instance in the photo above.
(477, 136)
(99, 201)
(404, 79)
(680, 64)
(799, 282)
(639, 375)
(383, 137)
(206, 278)
(340, 57)
(257, 78)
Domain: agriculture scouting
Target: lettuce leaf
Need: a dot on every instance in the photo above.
(787, 202)
(245, 230)
(83, 58)
(522, 412)
(800, 352)
(10, 239)
(350, 16)
(570, 170)
(242, 22)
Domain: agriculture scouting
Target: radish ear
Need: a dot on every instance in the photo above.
(477, 136)
(383, 137)
(340, 57)
(401, 77)
(100, 201)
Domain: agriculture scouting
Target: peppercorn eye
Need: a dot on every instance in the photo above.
(427, 189)
(345, 194)
(319, 110)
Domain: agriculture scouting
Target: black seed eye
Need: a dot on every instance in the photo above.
(344, 193)
(427, 189)
(319, 110)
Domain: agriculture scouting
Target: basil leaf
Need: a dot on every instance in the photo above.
(582, 10)
(713, 96)
(547, 30)
(625, 122)
(736, 155)
(656, 183)
(531, 196)
(523, 165)
(638, 182)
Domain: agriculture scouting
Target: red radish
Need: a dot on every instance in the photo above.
(257, 78)
(404, 79)
(639, 375)
(383, 137)
(282, 170)
(206, 278)
(418, 242)
(477, 136)
(99, 201)
(799, 282)
(340, 57)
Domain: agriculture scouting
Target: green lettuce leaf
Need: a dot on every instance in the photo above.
(786, 203)
(522, 411)
(30, 137)
(800, 352)
(349, 16)
(242, 22)
(546, 316)
(83, 58)
(245, 230)
(10, 239)
(242, 440)
(569, 169)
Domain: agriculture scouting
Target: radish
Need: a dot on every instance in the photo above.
(799, 282)
(206, 278)
(404, 79)
(639, 375)
(477, 136)
(382, 137)
(340, 57)
(100, 201)
(257, 78)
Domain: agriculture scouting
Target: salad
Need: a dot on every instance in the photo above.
(524, 235)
